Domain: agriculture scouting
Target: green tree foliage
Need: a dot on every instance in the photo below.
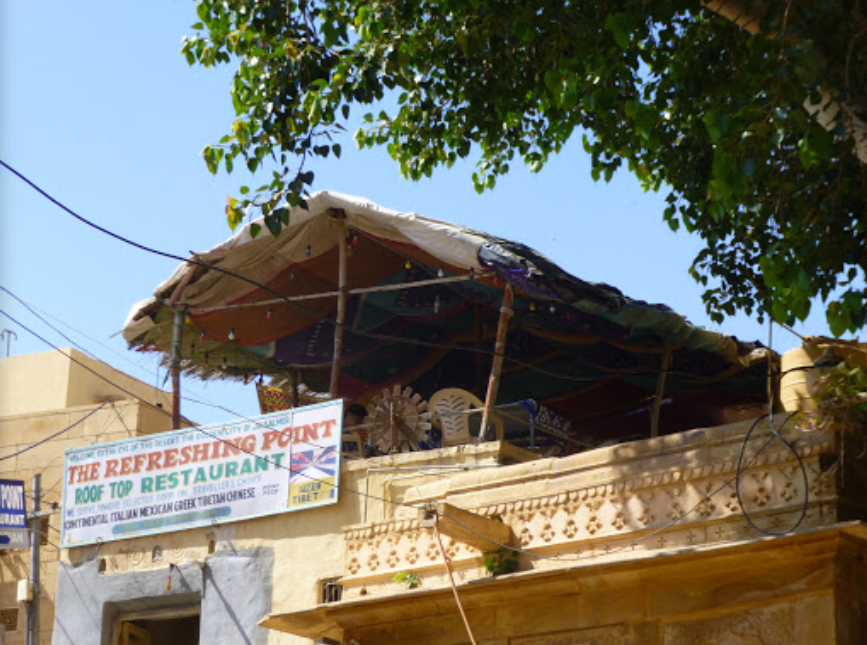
(686, 100)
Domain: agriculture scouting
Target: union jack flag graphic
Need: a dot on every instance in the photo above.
(312, 465)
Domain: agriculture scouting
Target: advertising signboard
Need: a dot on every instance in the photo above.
(13, 515)
(285, 461)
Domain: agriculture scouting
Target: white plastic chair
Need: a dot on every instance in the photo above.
(451, 411)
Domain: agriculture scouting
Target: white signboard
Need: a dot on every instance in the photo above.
(286, 461)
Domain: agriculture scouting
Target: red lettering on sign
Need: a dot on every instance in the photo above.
(111, 468)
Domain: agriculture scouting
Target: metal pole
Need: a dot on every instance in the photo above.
(35, 535)
(177, 339)
(8, 334)
(497, 364)
(340, 220)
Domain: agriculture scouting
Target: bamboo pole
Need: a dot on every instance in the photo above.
(177, 339)
(497, 364)
(660, 390)
(296, 381)
(331, 294)
(339, 218)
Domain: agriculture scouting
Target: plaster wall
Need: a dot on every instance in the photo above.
(33, 383)
(35, 410)
(47, 381)
(288, 555)
(230, 590)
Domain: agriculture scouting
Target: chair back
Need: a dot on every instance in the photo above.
(449, 410)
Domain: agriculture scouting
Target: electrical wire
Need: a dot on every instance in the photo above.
(739, 470)
(454, 586)
(258, 285)
(654, 532)
(778, 436)
(307, 310)
(56, 434)
(660, 529)
(339, 487)
(630, 545)
(48, 324)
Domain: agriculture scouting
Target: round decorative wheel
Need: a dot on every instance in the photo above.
(399, 420)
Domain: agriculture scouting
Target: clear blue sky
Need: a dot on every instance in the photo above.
(99, 108)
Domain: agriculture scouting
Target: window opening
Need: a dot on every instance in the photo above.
(158, 629)
(332, 590)
(9, 619)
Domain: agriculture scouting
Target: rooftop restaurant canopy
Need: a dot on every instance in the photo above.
(422, 308)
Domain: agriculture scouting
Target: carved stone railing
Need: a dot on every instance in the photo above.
(668, 493)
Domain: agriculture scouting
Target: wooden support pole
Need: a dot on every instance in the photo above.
(339, 218)
(497, 364)
(296, 381)
(177, 339)
(479, 382)
(660, 390)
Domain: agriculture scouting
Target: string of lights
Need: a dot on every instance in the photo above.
(154, 251)
(56, 434)
(204, 431)
(283, 298)
(664, 527)
(731, 482)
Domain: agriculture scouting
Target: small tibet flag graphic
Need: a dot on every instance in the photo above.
(313, 465)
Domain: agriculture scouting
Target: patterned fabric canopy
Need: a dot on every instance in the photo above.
(582, 349)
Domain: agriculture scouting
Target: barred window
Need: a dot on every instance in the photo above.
(9, 619)
(332, 590)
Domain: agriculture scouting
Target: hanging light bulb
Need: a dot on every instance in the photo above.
(472, 274)
(202, 335)
(187, 319)
(207, 358)
(532, 306)
(292, 275)
(231, 333)
(309, 250)
(440, 272)
(553, 309)
(437, 305)
(225, 363)
(270, 314)
(408, 264)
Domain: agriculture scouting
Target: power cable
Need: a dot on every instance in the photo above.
(453, 585)
(631, 544)
(48, 324)
(56, 434)
(677, 520)
(778, 436)
(95, 357)
(307, 310)
(204, 431)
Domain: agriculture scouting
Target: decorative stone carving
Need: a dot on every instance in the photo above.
(764, 626)
(632, 513)
(617, 634)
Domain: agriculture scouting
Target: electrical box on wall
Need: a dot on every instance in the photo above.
(25, 591)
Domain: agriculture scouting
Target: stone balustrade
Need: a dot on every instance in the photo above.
(668, 493)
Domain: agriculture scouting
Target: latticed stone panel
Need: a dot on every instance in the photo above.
(686, 506)
(9, 618)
